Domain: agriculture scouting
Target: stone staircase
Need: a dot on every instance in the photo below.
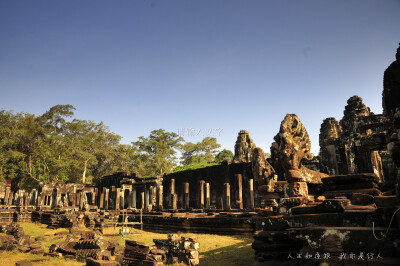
(336, 227)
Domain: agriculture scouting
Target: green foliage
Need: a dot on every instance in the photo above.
(203, 151)
(224, 155)
(158, 152)
(57, 146)
(192, 166)
(48, 147)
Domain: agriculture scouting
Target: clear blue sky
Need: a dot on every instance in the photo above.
(201, 65)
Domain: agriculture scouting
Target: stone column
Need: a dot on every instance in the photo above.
(122, 198)
(71, 198)
(106, 198)
(239, 196)
(95, 197)
(200, 196)
(40, 201)
(32, 197)
(133, 198)
(251, 191)
(78, 199)
(27, 198)
(208, 200)
(101, 203)
(112, 200)
(186, 195)
(117, 198)
(57, 197)
(173, 195)
(146, 199)
(143, 199)
(150, 194)
(174, 201)
(81, 199)
(227, 196)
(160, 197)
(7, 196)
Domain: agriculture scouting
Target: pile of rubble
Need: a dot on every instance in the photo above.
(16, 238)
(179, 249)
(86, 245)
(137, 253)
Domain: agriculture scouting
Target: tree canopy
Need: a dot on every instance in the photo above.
(49, 147)
(200, 152)
(57, 146)
(158, 152)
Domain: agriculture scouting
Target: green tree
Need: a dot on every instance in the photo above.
(224, 155)
(200, 152)
(47, 147)
(158, 150)
(209, 147)
(127, 159)
(92, 148)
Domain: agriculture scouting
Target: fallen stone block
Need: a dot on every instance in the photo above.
(7, 242)
(385, 201)
(362, 199)
(37, 251)
(93, 262)
(320, 198)
(23, 263)
(333, 205)
(304, 209)
(291, 202)
(54, 254)
(23, 249)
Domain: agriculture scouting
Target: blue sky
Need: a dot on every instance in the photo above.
(198, 67)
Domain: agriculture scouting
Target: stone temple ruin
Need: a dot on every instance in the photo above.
(301, 209)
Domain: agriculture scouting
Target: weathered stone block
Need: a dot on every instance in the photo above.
(292, 201)
(320, 198)
(23, 263)
(362, 199)
(93, 262)
(333, 205)
(386, 201)
(296, 189)
(304, 209)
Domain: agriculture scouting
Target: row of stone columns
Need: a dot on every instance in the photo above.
(203, 195)
(151, 196)
(203, 199)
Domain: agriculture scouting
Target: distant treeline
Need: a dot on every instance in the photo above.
(56, 146)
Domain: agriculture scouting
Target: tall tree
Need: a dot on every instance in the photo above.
(159, 150)
(92, 147)
(224, 155)
(209, 147)
(200, 152)
(47, 147)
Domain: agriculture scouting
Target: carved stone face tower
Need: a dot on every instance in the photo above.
(391, 87)
(328, 141)
(244, 147)
(355, 108)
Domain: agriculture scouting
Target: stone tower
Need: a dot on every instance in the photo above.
(328, 142)
(354, 109)
(244, 147)
(391, 87)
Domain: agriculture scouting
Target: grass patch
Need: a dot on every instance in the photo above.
(214, 249)
(11, 257)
